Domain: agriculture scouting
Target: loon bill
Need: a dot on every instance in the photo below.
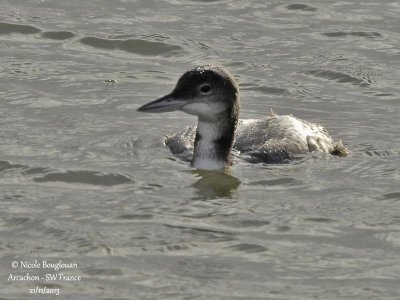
(212, 94)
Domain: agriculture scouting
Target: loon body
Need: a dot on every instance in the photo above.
(212, 94)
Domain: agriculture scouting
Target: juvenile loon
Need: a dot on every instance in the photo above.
(211, 93)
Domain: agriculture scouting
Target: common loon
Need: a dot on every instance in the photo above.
(211, 93)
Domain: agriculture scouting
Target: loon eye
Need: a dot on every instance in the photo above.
(205, 88)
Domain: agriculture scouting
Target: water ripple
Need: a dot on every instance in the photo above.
(6, 166)
(9, 28)
(14, 222)
(75, 239)
(395, 196)
(280, 182)
(133, 217)
(138, 46)
(339, 77)
(301, 7)
(364, 34)
(104, 272)
(85, 177)
(58, 35)
(248, 248)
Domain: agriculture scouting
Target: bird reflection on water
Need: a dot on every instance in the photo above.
(212, 185)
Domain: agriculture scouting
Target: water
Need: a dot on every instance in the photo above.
(86, 179)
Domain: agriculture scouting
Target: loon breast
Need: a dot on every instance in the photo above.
(275, 139)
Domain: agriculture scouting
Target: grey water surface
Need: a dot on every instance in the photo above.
(86, 179)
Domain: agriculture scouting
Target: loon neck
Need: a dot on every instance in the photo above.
(213, 142)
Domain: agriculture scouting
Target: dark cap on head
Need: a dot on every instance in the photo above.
(203, 91)
(219, 79)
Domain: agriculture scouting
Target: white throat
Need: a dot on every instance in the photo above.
(205, 154)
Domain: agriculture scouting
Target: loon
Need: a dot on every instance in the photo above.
(212, 94)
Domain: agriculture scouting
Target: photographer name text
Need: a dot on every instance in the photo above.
(44, 264)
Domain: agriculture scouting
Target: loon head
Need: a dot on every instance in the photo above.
(212, 94)
(205, 91)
